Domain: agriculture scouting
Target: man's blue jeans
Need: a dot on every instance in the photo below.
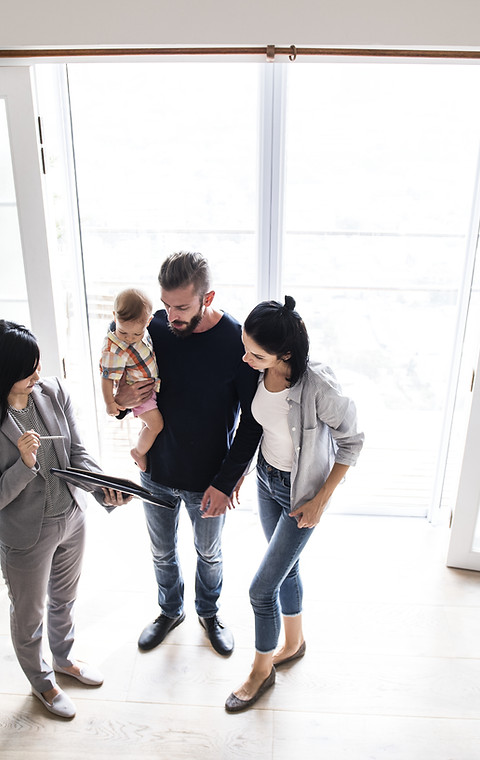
(162, 524)
(277, 587)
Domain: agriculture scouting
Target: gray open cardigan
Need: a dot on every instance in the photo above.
(323, 427)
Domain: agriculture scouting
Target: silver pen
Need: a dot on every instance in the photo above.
(50, 437)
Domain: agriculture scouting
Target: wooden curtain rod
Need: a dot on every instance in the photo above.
(270, 52)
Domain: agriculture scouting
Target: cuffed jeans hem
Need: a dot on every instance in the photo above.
(171, 617)
(207, 615)
(270, 651)
(291, 615)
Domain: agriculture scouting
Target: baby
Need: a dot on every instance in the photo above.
(128, 349)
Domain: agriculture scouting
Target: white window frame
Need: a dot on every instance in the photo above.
(271, 184)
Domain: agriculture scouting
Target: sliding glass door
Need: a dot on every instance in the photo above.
(166, 159)
(380, 172)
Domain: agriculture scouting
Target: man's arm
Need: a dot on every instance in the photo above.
(216, 498)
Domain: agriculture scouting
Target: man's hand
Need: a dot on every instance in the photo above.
(215, 502)
(128, 396)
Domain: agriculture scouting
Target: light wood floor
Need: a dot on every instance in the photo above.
(392, 668)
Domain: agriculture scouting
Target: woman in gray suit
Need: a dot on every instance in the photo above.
(42, 519)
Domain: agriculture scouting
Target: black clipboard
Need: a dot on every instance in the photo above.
(95, 481)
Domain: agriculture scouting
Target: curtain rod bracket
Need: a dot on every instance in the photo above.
(270, 53)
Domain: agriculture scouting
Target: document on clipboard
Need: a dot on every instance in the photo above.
(95, 481)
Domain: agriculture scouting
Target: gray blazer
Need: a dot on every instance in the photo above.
(22, 490)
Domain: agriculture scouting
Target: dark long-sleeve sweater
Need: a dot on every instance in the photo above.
(204, 385)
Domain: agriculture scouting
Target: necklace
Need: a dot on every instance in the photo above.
(26, 409)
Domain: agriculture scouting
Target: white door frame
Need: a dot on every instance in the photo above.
(464, 293)
(460, 552)
(17, 89)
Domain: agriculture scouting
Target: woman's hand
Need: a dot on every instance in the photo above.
(235, 497)
(115, 498)
(309, 514)
(28, 444)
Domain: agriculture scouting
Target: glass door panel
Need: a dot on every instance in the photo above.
(65, 250)
(380, 170)
(166, 160)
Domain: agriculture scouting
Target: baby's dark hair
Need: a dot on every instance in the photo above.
(132, 304)
(280, 330)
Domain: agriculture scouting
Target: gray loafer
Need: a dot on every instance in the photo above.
(62, 705)
(88, 674)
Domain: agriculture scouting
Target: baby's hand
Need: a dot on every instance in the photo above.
(113, 409)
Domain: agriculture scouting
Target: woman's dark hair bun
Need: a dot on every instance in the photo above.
(289, 303)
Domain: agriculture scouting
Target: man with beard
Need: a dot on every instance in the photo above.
(198, 457)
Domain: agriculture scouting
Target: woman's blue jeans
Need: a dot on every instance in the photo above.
(162, 524)
(277, 587)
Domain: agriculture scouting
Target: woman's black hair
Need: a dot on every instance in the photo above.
(19, 357)
(280, 330)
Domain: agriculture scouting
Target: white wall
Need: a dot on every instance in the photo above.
(388, 23)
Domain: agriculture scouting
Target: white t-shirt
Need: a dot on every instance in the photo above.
(270, 411)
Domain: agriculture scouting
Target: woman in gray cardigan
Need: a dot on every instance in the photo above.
(309, 441)
(42, 520)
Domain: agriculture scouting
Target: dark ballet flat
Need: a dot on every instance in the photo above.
(234, 704)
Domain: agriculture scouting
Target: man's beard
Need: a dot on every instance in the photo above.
(189, 327)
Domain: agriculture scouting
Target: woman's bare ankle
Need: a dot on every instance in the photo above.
(250, 687)
(287, 650)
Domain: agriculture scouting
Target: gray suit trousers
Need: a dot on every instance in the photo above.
(48, 572)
